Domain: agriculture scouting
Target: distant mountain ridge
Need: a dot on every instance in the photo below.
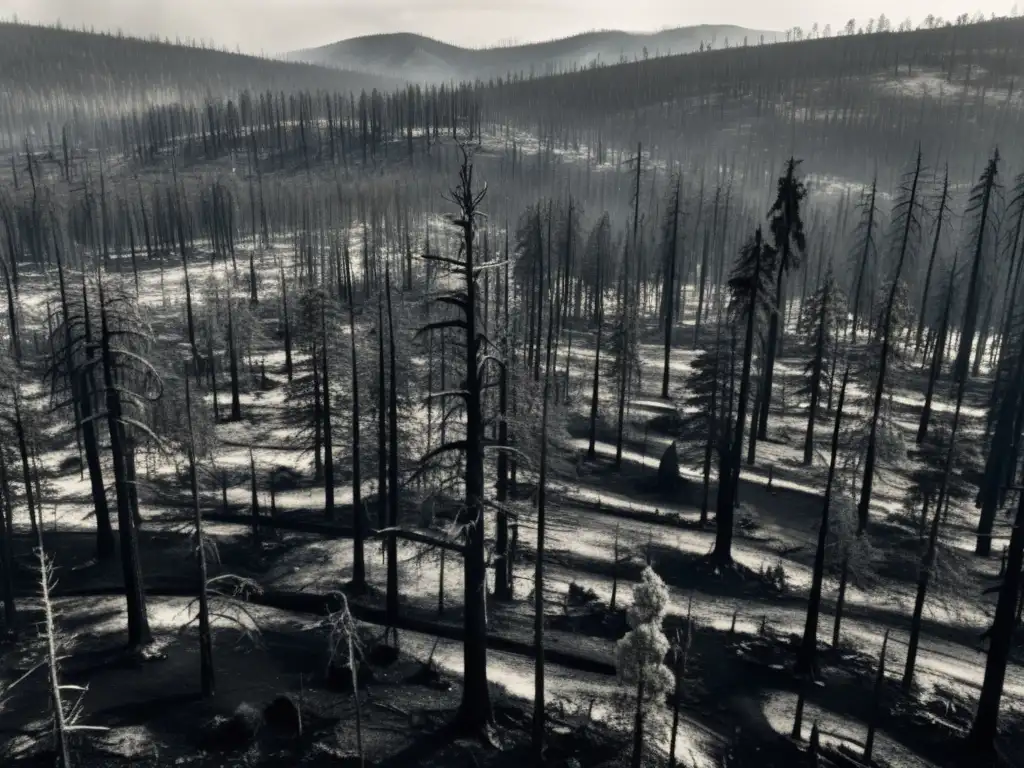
(414, 57)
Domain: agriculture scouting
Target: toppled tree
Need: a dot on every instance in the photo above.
(64, 715)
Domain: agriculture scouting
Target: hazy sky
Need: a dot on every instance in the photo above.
(280, 25)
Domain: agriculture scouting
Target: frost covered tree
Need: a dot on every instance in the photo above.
(640, 657)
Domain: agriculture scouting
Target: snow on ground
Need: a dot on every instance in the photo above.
(779, 708)
(576, 529)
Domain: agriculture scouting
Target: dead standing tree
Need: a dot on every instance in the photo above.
(128, 379)
(475, 713)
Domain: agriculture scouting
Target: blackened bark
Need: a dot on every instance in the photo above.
(805, 662)
(236, 403)
(206, 671)
(135, 596)
(392, 540)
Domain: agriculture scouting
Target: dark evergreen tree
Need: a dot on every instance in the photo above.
(790, 243)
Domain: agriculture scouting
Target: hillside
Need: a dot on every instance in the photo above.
(837, 100)
(414, 57)
(115, 72)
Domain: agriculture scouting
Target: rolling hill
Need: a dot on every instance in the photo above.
(414, 57)
(113, 72)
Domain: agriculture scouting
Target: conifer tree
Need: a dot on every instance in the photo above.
(475, 711)
(749, 286)
(790, 243)
(981, 209)
(820, 321)
(906, 223)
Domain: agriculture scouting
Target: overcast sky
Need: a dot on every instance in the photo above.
(276, 26)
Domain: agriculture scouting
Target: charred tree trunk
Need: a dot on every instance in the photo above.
(392, 541)
(358, 513)
(138, 623)
(206, 671)
(806, 657)
(236, 402)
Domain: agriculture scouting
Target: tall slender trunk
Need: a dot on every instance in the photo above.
(595, 390)
(773, 344)
(12, 313)
(392, 577)
(287, 328)
(26, 472)
(816, 372)
(984, 728)
(625, 339)
(502, 565)
(703, 281)
(970, 322)
(81, 390)
(206, 671)
(669, 291)
(329, 511)
(475, 709)
(6, 551)
(862, 269)
(135, 596)
(358, 513)
(935, 369)
(805, 662)
(729, 482)
(191, 320)
(382, 430)
(538, 590)
(939, 219)
(864, 505)
(236, 402)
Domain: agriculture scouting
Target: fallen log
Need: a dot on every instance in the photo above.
(327, 530)
(322, 604)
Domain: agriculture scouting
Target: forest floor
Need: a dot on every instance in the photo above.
(739, 691)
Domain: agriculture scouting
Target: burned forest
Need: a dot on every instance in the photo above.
(526, 405)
